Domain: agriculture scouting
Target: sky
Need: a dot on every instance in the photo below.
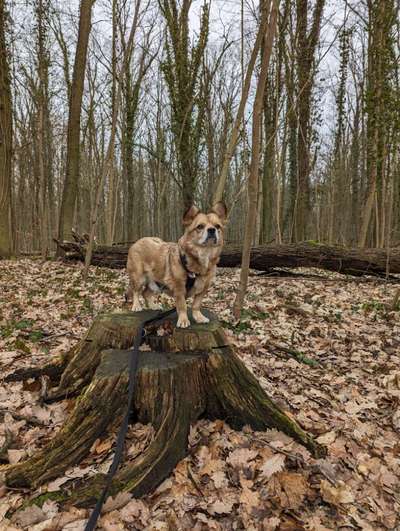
(225, 19)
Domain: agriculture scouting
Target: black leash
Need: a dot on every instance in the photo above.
(119, 446)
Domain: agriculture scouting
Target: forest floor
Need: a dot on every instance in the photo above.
(349, 399)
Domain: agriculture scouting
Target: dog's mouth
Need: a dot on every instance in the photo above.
(211, 240)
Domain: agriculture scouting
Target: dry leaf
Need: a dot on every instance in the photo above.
(121, 499)
(76, 525)
(327, 438)
(219, 479)
(249, 498)
(43, 526)
(4, 508)
(220, 507)
(111, 522)
(396, 419)
(270, 524)
(241, 457)
(14, 456)
(29, 516)
(289, 487)
(336, 495)
(133, 511)
(272, 465)
(100, 447)
(55, 485)
(68, 517)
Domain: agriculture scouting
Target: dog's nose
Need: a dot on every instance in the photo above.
(211, 231)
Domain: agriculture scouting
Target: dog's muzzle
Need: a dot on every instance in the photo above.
(212, 235)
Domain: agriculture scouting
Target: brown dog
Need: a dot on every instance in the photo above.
(184, 269)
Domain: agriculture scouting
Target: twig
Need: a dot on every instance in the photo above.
(298, 356)
(193, 480)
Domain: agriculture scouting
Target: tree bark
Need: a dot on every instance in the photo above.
(191, 373)
(271, 7)
(5, 141)
(306, 47)
(349, 261)
(74, 123)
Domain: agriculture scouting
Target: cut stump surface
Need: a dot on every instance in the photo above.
(187, 374)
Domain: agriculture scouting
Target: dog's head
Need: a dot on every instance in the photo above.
(205, 230)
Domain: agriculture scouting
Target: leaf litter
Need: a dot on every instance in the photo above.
(349, 400)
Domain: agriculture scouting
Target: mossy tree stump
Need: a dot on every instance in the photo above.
(187, 374)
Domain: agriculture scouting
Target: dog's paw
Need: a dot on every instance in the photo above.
(136, 307)
(183, 321)
(200, 318)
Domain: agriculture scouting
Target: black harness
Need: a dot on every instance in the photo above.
(190, 276)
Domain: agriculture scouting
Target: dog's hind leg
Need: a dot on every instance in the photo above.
(150, 299)
(137, 282)
(136, 306)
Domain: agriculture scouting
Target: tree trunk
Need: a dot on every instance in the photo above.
(5, 140)
(348, 261)
(74, 123)
(108, 163)
(182, 68)
(43, 152)
(190, 373)
(306, 46)
(271, 7)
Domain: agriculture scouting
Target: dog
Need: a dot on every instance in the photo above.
(184, 269)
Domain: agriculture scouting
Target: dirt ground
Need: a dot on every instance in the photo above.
(326, 349)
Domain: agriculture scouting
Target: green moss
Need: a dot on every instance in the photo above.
(58, 496)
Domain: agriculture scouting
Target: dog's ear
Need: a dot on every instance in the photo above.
(221, 210)
(189, 215)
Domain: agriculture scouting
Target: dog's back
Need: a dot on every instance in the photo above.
(147, 255)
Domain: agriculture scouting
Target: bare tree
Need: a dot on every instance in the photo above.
(182, 68)
(74, 122)
(307, 41)
(241, 108)
(271, 7)
(5, 140)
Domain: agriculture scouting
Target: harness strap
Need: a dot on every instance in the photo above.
(119, 446)
(190, 276)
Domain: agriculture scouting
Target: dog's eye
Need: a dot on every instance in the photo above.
(200, 227)
(217, 226)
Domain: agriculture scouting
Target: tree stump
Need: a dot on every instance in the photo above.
(187, 374)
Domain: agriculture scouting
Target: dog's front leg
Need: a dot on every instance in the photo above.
(181, 308)
(197, 315)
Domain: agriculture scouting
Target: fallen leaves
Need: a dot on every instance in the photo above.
(230, 479)
(336, 495)
(272, 465)
(289, 488)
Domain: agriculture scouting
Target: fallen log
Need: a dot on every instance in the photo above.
(187, 374)
(356, 262)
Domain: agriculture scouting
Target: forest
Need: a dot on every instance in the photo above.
(278, 407)
(113, 113)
